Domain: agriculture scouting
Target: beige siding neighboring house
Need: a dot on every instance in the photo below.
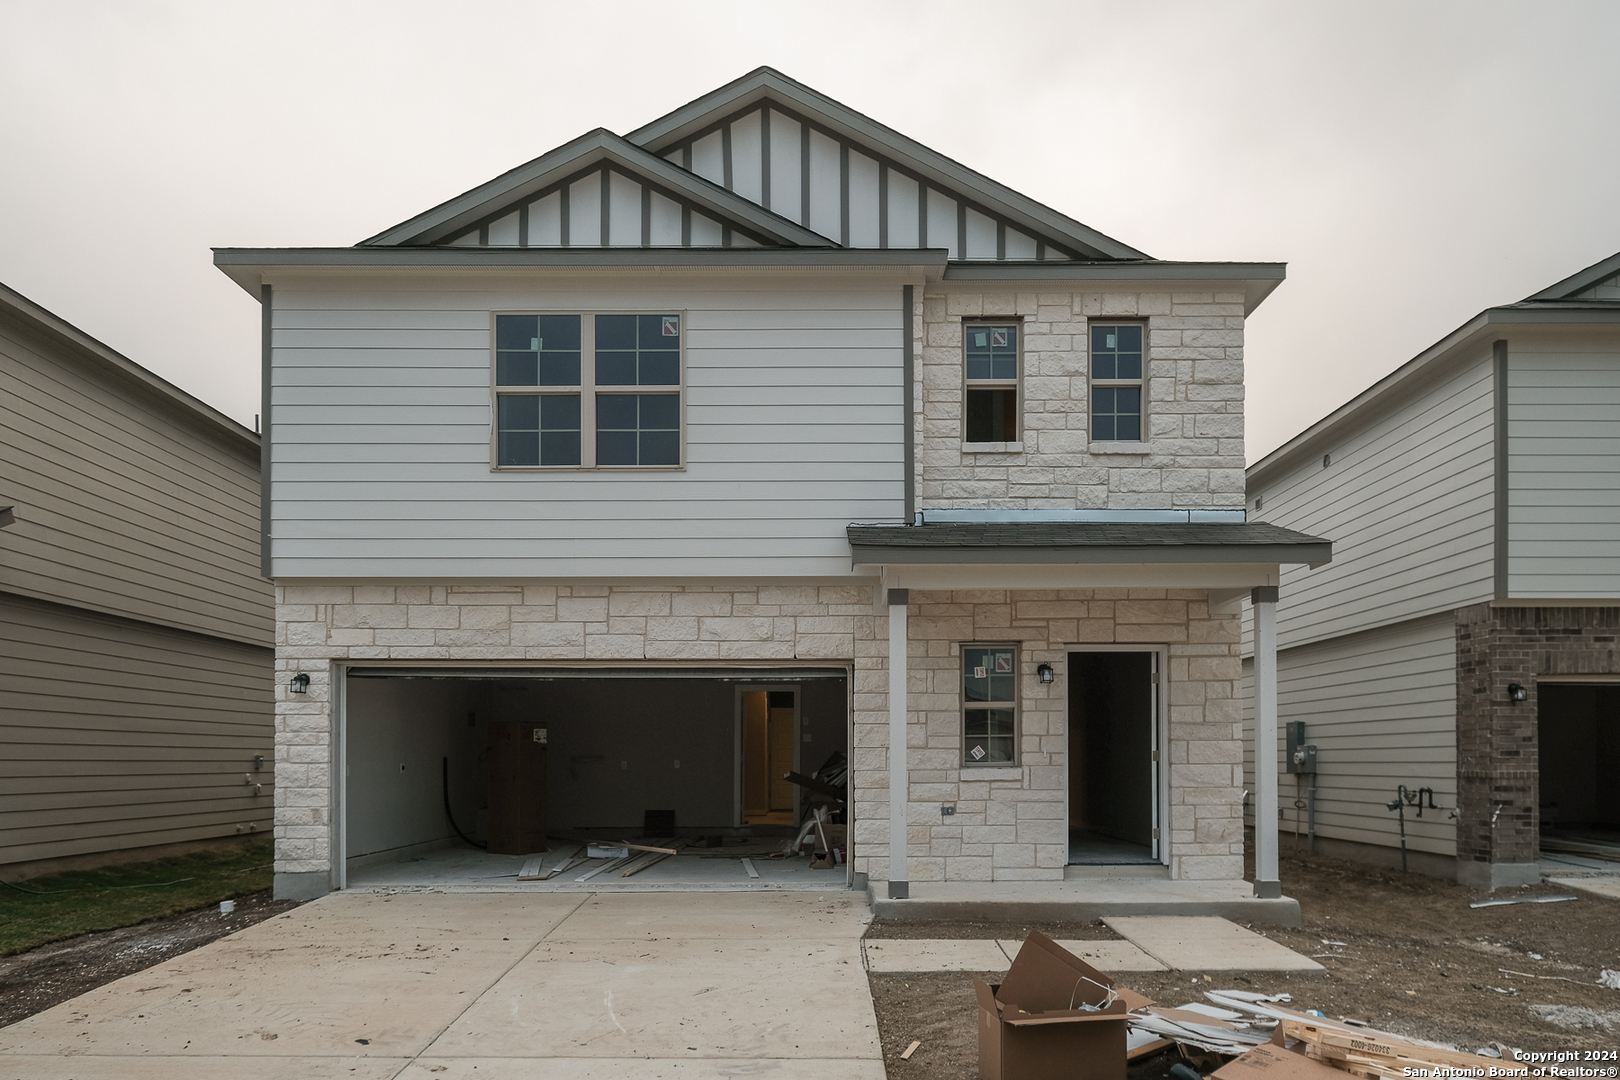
(1474, 497)
(765, 398)
(135, 631)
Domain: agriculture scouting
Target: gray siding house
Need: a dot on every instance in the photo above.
(764, 414)
(135, 630)
(1464, 638)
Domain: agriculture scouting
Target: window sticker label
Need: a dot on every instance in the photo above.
(977, 753)
(1112, 338)
(672, 326)
(534, 344)
(1003, 663)
(979, 673)
(998, 337)
(981, 339)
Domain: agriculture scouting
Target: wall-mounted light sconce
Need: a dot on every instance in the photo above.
(1045, 673)
(300, 683)
(1516, 692)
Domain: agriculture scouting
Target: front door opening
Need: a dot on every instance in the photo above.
(1578, 732)
(1112, 709)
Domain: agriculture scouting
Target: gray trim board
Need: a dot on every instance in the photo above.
(766, 85)
(599, 148)
(266, 310)
(1060, 543)
(1499, 363)
(1580, 282)
(908, 400)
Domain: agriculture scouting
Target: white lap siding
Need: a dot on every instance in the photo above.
(381, 433)
(1380, 707)
(1564, 472)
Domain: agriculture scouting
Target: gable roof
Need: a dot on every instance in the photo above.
(1571, 288)
(770, 87)
(592, 151)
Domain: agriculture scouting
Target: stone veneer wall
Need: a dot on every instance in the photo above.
(1010, 823)
(1194, 404)
(1498, 769)
(1008, 828)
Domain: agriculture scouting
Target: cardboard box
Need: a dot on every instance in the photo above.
(1047, 1020)
(1271, 1062)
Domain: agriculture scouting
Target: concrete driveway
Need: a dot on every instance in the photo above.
(432, 986)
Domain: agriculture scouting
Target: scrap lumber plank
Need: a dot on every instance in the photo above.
(1149, 1048)
(748, 865)
(652, 858)
(645, 847)
(612, 864)
(1383, 1053)
(531, 869)
(912, 1049)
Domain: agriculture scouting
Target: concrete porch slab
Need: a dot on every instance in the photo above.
(1081, 898)
(1597, 884)
(1202, 943)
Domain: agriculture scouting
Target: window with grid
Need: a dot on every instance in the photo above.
(989, 705)
(1116, 382)
(990, 396)
(588, 391)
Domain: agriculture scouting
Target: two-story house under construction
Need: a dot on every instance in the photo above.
(758, 435)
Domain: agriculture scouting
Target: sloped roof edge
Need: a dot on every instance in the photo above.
(767, 82)
(24, 310)
(1580, 282)
(1083, 542)
(594, 146)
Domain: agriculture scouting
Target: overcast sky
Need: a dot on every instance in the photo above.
(1412, 162)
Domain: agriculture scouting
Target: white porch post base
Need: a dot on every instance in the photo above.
(1267, 883)
(899, 774)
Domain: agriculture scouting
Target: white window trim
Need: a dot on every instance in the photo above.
(1017, 385)
(1117, 446)
(587, 391)
(1017, 706)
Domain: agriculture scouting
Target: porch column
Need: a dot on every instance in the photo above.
(899, 773)
(1267, 884)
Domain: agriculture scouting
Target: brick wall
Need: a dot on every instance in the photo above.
(1194, 404)
(1498, 794)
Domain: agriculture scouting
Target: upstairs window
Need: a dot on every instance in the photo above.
(588, 391)
(1116, 382)
(990, 397)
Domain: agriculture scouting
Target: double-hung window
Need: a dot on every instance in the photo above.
(990, 394)
(1116, 382)
(989, 705)
(588, 391)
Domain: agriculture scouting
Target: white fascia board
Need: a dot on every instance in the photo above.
(1580, 282)
(767, 83)
(948, 576)
(1257, 280)
(581, 154)
(252, 267)
(1395, 389)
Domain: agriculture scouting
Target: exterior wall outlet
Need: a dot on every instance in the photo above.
(947, 810)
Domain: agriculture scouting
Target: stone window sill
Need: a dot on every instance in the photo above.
(1120, 448)
(992, 772)
(992, 448)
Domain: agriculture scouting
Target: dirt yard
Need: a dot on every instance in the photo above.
(1403, 953)
(34, 981)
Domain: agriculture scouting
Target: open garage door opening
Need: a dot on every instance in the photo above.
(462, 774)
(1578, 735)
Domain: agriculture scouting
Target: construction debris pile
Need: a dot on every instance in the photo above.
(1055, 1015)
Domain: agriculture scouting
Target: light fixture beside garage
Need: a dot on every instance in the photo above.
(300, 683)
(1045, 673)
(1516, 693)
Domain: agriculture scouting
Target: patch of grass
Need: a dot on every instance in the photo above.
(46, 909)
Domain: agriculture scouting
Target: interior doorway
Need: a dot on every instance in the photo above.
(770, 750)
(1578, 737)
(1113, 757)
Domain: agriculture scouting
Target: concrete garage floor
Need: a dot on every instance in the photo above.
(442, 986)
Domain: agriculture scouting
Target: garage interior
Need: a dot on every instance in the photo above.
(1111, 742)
(1578, 736)
(583, 755)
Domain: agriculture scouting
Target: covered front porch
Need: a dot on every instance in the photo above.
(1088, 619)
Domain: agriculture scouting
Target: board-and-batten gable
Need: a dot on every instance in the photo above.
(133, 498)
(778, 148)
